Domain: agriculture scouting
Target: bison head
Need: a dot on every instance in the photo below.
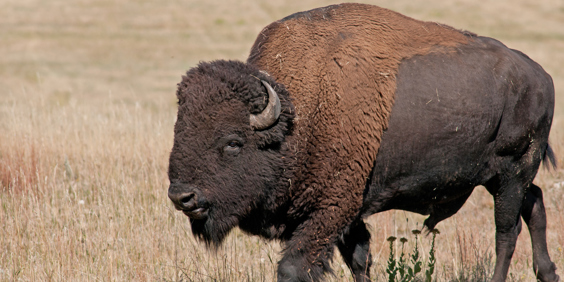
(227, 161)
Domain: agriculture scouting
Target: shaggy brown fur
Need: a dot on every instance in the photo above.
(334, 61)
(310, 177)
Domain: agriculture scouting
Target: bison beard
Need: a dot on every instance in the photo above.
(309, 176)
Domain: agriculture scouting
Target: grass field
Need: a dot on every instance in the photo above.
(87, 107)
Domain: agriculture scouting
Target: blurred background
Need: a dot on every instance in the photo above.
(87, 107)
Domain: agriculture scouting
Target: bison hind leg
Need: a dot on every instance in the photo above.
(534, 215)
(354, 246)
(443, 211)
(508, 198)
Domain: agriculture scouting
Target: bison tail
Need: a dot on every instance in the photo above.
(549, 157)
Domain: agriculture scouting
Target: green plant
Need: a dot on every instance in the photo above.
(392, 269)
(415, 258)
(431, 264)
(403, 270)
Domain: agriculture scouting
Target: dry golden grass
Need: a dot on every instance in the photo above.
(87, 107)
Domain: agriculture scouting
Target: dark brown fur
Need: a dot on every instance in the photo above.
(334, 61)
(311, 177)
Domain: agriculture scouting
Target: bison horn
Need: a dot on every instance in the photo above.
(270, 114)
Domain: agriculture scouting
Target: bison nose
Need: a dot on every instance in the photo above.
(189, 200)
(184, 200)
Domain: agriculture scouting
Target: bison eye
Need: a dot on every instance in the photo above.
(234, 144)
(233, 147)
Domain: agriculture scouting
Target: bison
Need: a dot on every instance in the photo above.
(349, 110)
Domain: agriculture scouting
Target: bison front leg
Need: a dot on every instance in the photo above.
(307, 255)
(534, 215)
(299, 266)
(354, 246)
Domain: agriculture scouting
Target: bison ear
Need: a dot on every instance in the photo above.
(270, 114)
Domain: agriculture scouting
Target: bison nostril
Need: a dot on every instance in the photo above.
(184, 200)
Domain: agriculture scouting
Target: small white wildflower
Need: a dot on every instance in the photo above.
(81, 202)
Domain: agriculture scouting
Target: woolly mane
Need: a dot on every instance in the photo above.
(339, 64)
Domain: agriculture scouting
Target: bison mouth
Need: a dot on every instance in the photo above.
(198, 213)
